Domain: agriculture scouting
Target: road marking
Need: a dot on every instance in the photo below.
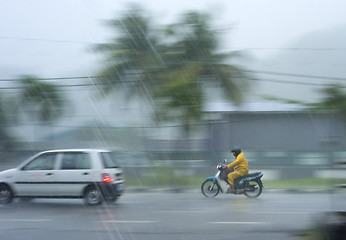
(283, 212)
(245, 223)
(118, 221)
(189, 212)
(25, 220)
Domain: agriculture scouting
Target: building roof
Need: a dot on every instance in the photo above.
(265, 106)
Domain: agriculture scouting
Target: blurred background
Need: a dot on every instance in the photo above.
(170, 88)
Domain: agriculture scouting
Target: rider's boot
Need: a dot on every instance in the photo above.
(230, 189)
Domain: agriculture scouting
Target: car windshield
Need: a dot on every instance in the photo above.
(108, 160)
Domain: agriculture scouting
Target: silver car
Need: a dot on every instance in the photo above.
(92, 174)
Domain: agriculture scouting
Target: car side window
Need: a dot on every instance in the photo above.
(45, 161)
(75, 160)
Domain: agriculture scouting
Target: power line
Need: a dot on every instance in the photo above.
(290, 82)
(62, 86)
(291, 49)
(138, 73)
(72, 78)
(129, 81)
(242, 48)
(47, 40)
(296, 75)
(47, 79)
(250, 79)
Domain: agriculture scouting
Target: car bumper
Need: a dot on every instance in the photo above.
(111, 191)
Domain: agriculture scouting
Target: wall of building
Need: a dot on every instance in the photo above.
(276, 130)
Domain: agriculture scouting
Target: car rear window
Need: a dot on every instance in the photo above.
(108, 160)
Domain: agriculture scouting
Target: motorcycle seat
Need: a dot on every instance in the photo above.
(251, 175)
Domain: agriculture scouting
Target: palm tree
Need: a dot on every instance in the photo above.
(334, 99)
(174, 71)
(194, 65)
(133, 59)
(179, 101)
(40, 98)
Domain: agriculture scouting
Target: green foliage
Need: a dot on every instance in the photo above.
(179, 100)
(196, 54)
(133, 59)
(335, 98)
(3, 132)
(171, 66)
(305, 183)
(315, 233)
(194, 64)
(165, 181)
(41, 98)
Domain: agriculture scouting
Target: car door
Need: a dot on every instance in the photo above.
(74, 173)
(37, 177)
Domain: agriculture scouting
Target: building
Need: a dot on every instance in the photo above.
(278, 136)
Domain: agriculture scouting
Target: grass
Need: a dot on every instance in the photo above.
(193, 182)
(312, 234)
(304, 183)
(184, 182)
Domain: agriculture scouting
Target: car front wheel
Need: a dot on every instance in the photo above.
(6, 194)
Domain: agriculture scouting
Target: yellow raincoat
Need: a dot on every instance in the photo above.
(241, 168)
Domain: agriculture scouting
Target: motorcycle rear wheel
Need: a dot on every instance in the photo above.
(253, 190)
(209, 188)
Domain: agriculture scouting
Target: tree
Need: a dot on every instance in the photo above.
(334, 99)
(133, 59)
(180, 100)
(37, 98)
(40, 98)
(193, 65)
(172, 67)
(4, 136)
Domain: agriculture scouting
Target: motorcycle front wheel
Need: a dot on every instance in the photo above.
(209, 188)
(253, 190)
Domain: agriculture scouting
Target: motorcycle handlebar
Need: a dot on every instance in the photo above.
(220, 166)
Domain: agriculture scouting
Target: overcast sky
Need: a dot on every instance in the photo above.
(50, 38)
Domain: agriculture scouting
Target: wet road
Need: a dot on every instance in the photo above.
(163, 215)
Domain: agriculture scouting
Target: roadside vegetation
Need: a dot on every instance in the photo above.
(194, 182)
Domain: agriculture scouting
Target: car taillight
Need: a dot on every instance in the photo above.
(106, 178)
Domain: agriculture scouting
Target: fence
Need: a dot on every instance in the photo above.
(278, 164)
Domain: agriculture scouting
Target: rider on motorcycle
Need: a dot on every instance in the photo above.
(241, 167)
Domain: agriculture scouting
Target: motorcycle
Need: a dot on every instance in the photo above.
(250, 185)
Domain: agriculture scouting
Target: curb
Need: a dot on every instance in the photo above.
(197, 190)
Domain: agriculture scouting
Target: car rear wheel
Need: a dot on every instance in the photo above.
(93, 195)
(6, 194)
